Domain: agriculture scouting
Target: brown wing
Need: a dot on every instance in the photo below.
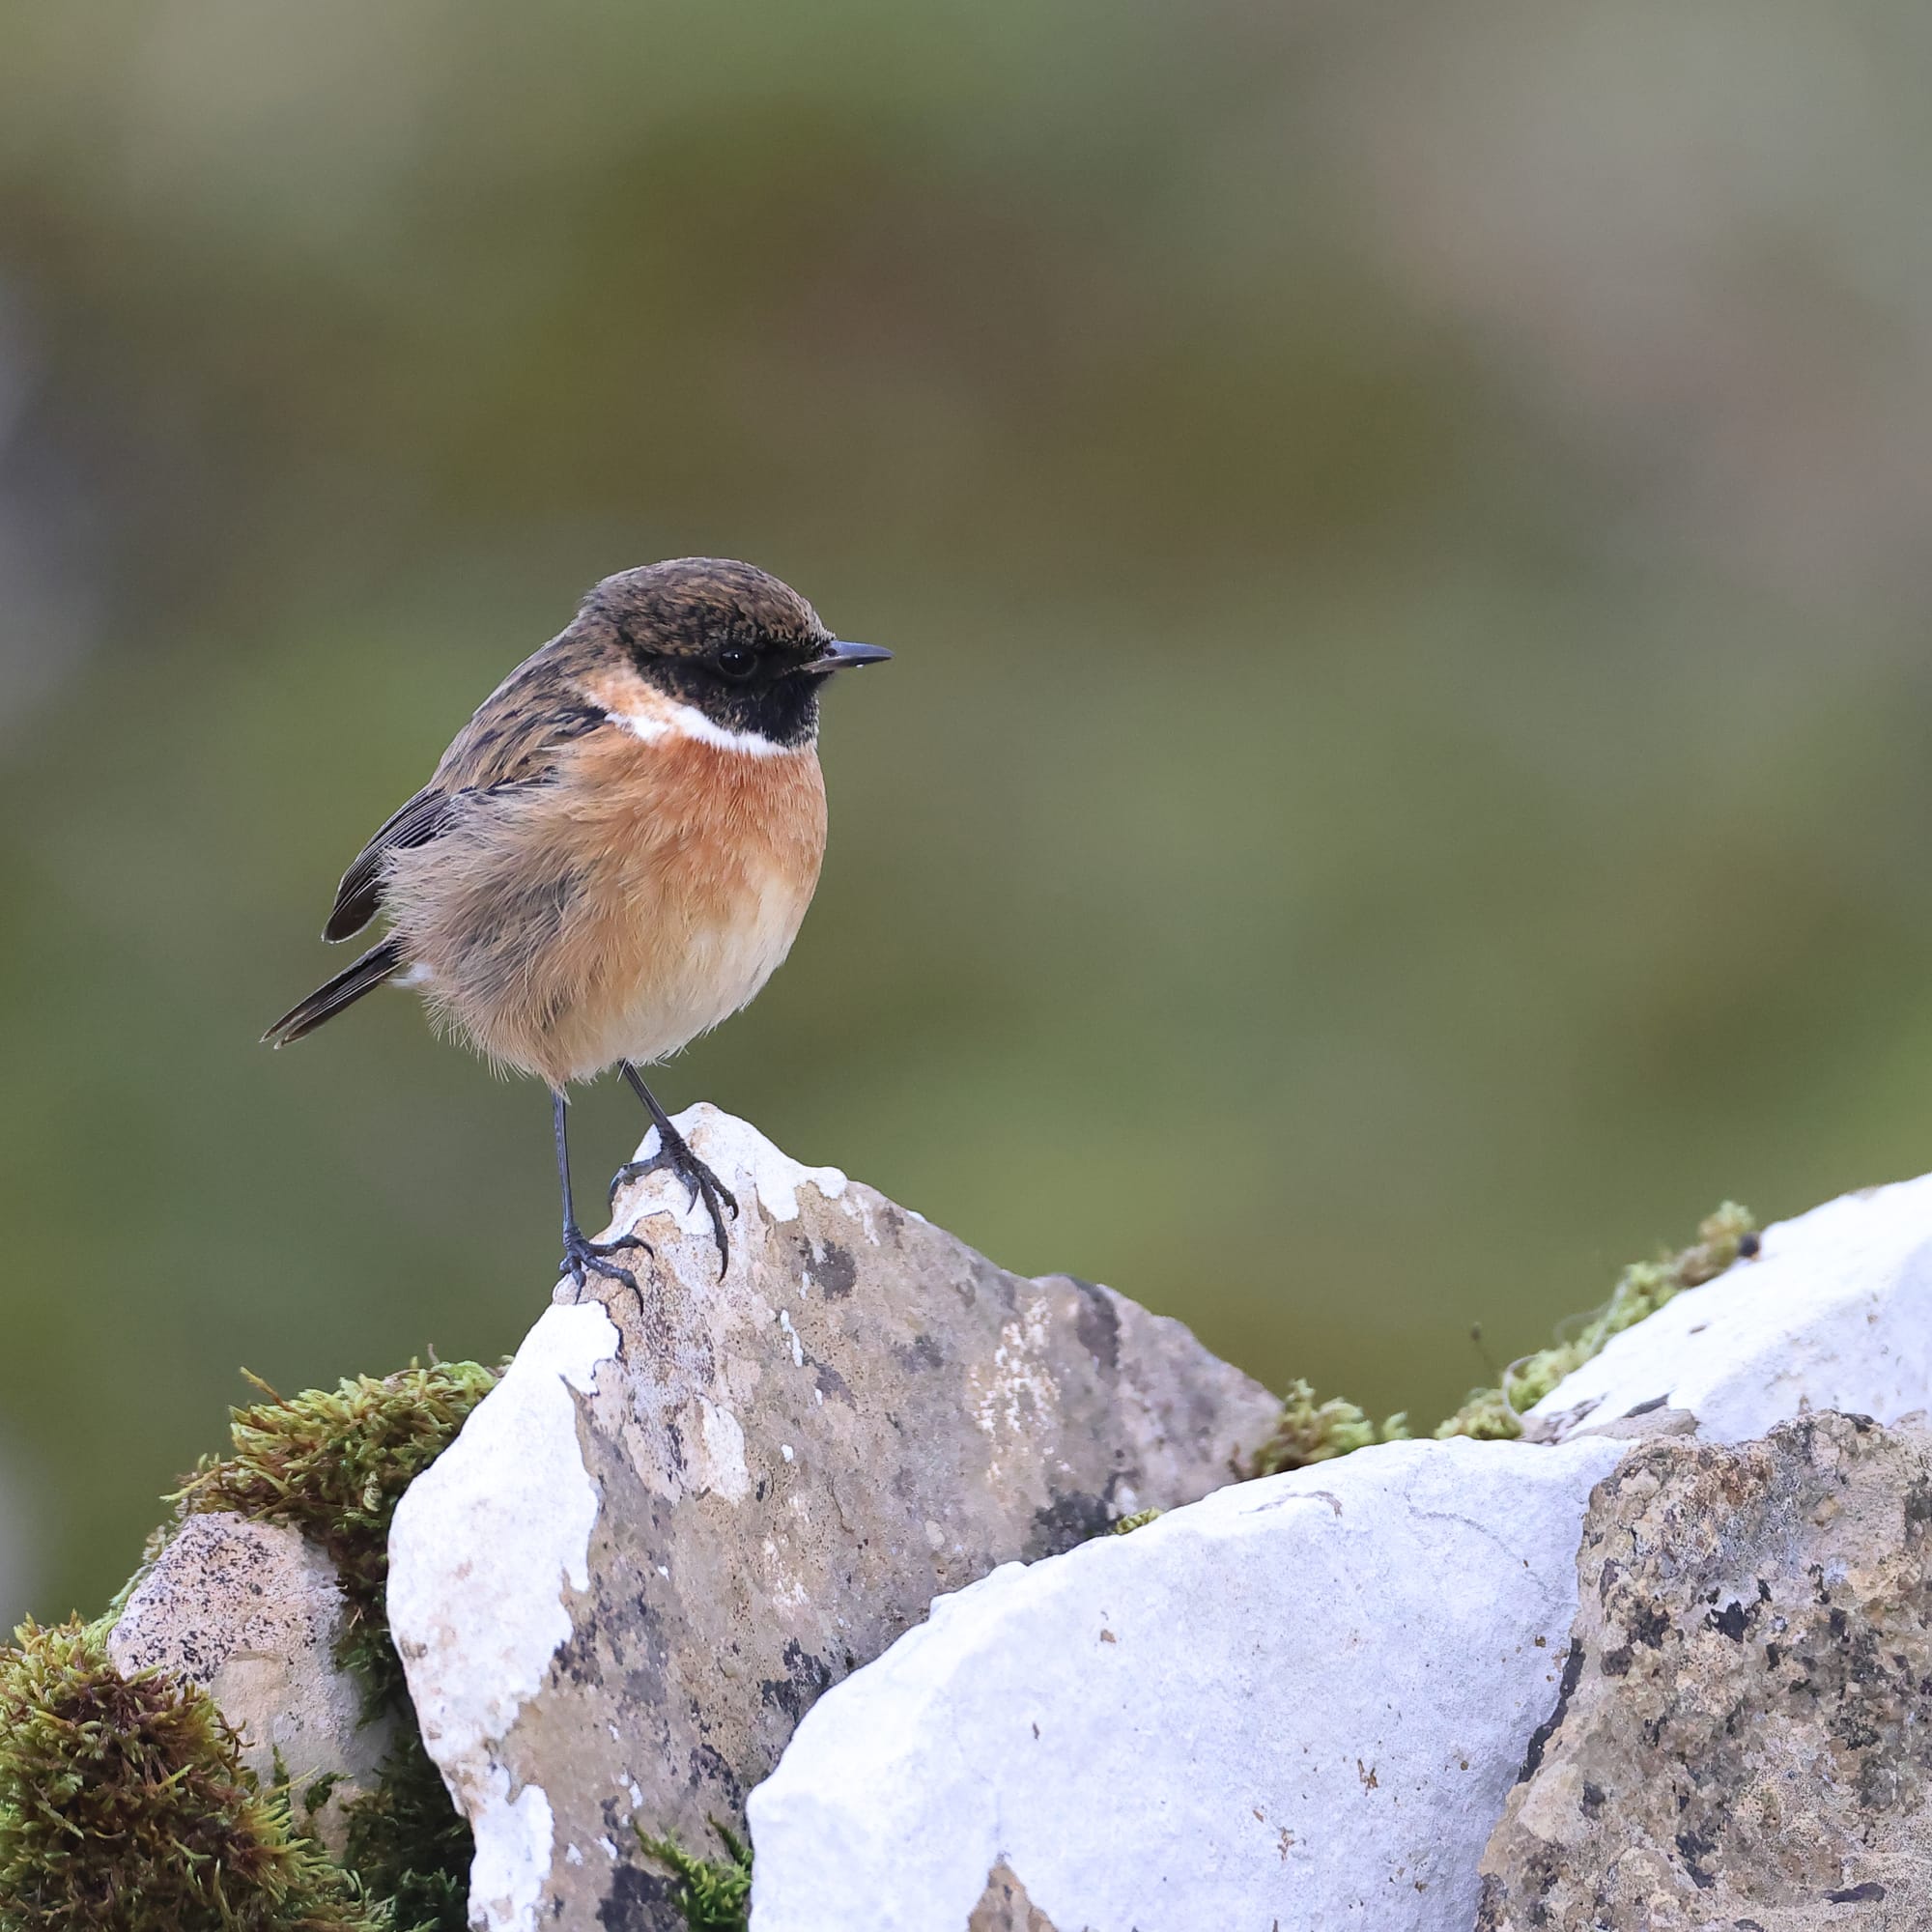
(355, 898)
(510, 742)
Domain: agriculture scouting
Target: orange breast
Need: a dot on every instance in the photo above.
(619, 912)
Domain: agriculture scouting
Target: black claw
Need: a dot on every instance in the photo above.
(582, 1258)
(674, 1156)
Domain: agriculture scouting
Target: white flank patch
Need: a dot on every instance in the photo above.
(741, 1158)
(457, 1592)
(685, 721)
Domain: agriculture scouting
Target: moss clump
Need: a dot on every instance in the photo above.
(1140, 1519)
(407, 1843)
(714, 1894)
(125, 1807)
(1642, 1289)
(1317, 1431)
(1487, 1417)
(333, 1463)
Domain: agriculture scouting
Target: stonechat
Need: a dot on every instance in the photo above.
(615, 854)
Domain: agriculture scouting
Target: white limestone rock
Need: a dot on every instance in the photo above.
(684, 1513)
(252, 1611)
(1299, 1704)
(1834, 1313)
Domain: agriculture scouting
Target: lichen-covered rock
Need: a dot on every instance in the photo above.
(1299, 1704)
(253, 1613)
(1835, 1312)
(1743, 1737)
(684, 1514)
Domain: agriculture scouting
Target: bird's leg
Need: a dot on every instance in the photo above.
(674, 1156)
(582, 1255)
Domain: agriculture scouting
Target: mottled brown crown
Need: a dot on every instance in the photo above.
(690, 607)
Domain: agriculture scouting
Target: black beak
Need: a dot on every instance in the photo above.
(840, 656)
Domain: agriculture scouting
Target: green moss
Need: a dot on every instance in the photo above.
(1313, 1432)
(1140, 1519)
(714, 1894)
(1642, 1289)
(407, 1843)
(125, 1807)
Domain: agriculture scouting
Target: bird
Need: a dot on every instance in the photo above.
(613, 855)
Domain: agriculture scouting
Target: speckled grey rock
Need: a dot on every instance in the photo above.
(681, 1516)
(252, 1611)
(1744, 1733)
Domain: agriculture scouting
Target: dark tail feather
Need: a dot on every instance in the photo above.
(378, 963)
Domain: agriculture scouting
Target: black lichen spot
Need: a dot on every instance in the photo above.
(1732, 1621)
(830, 1382)
(635, 1901)
(708, 1765)
(1656, 1401)
(921, 1354)
(1617, 1662)
(1651, 1625)
(807, 1678)
(1692, 1846)
(1098, 1324)
(1593, 1799)
(1868, 1893)
(1064, 1522)
(1573, 1672)
(835, 1272)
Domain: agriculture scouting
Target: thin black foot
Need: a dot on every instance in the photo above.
(675, 1156)
(581, 1256)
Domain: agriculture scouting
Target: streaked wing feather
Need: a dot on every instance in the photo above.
(355, 898)
(511, 741)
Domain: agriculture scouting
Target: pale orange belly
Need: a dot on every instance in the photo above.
(673, 985)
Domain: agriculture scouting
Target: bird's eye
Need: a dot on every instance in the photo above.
(737, 660)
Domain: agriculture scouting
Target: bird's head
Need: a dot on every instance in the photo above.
(722, 639)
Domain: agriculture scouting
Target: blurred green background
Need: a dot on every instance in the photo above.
(1406, 531)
